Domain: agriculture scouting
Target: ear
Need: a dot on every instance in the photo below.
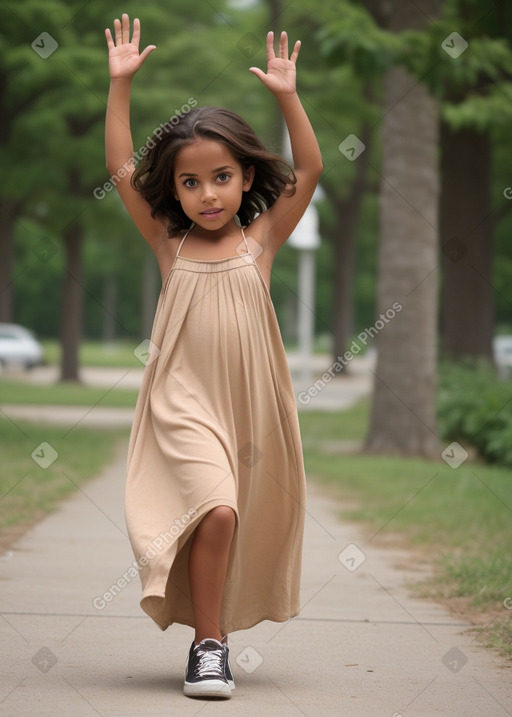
(248, 178)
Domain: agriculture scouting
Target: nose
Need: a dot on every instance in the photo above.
(209, 194)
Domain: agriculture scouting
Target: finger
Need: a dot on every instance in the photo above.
(125, 27)
(270, 46)
(296, 50)
(259, 73)
(283, 45)
(147, 50)
(110, 41)
(117, 31)
(136, 32)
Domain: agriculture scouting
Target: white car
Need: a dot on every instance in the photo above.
(502, 350)
(18, 345)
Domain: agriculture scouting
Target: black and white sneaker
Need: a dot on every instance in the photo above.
(227, 666)
(206, 670)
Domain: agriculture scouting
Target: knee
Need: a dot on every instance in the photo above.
(219, 522)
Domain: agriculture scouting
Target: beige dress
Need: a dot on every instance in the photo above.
(216, 424)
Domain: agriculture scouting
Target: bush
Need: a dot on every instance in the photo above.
(475, 406)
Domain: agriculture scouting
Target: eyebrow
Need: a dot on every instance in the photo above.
(214, 171)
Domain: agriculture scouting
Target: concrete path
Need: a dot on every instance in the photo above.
(362, 647)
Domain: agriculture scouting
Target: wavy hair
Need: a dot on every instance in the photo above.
(154, 177)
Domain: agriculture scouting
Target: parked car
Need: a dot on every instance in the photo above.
(502, 349)
(19, 346)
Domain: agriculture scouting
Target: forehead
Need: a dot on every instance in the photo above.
(203, 155)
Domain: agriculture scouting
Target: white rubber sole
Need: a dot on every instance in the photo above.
(208, 688)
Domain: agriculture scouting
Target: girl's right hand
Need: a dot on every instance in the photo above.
(123, 55)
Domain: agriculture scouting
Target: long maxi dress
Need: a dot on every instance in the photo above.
(216, 424)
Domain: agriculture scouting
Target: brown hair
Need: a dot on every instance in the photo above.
(154, 178)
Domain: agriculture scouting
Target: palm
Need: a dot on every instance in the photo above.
(280, 77)
(123, 56)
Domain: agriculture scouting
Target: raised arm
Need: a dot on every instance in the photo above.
(280, 79)
(124, 60)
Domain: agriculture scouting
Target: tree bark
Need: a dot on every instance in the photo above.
(466, 228)
(403, 416)
(348, 212)
(7, 227)
(72, 302)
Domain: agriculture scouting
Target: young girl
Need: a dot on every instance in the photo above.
(215, 491)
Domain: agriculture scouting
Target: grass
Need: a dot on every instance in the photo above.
(28, 491)
(64, 394)
(97, 353)
(462, 515)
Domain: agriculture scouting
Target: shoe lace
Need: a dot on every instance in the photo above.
(210, 662)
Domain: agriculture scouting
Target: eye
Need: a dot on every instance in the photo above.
(190, 183)
(223, 177)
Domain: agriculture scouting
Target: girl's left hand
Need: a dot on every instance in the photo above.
(281, 72)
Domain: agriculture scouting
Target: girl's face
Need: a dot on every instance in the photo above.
(209, 182)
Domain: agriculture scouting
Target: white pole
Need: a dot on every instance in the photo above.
(306, 313)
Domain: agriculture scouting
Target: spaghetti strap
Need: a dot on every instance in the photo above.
(186, 235)
(206, 261)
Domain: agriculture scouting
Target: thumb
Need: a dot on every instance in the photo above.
(256, 71)
(147, 50)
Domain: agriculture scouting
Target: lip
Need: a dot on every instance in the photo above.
(211, 213)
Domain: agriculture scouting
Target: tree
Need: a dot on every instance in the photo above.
(477, 101)
(403, 417)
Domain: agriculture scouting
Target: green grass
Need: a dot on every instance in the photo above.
(97, 353)
(64, 394)
(28, 491)
(462, 516)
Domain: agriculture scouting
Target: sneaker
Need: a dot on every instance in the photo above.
(206, 670)
(227, 666)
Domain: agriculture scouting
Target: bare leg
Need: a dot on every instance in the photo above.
(207, 567)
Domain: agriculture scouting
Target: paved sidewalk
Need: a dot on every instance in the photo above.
(362, 647)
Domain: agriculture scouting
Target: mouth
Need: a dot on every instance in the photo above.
(211, 213)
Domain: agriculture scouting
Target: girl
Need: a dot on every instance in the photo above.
(215, 490)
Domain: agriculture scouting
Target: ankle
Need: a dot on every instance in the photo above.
(211, 636)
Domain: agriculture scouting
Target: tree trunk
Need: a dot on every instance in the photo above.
(110, 309)
(403, 417)
(348, 212)
(72, 301)
(466, 227)
(7, 227)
